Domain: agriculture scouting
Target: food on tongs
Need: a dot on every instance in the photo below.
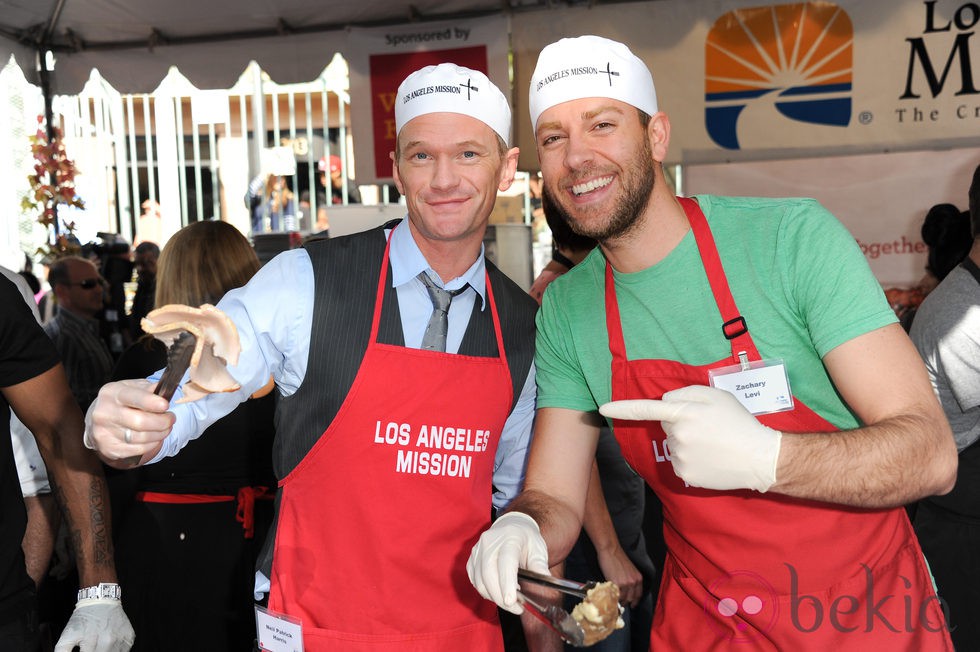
(599, 614)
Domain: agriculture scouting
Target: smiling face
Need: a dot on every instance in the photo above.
(597, 164)
(449, 167)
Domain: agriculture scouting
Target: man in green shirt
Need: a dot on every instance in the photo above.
(754, 376)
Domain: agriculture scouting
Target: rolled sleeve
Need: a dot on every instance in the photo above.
(273, 315)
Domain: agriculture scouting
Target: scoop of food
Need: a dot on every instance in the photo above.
(599, 614)
(215, 345)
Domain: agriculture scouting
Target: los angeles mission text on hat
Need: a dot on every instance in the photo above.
(439, 88)
(585, 70)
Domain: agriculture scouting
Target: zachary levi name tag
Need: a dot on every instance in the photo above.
(761, 386)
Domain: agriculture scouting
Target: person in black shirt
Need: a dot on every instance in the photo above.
(34, 385)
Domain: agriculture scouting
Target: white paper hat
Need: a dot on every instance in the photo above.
(589, 66)
(448, 88)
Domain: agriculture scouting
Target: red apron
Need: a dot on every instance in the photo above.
(762, 571)
(377, 521)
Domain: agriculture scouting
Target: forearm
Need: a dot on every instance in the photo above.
(904, 452)
(596, 522)
(559, 523)
(557, 480)
(615, 564)
(80, 489)
(42, 524)
(893, 462)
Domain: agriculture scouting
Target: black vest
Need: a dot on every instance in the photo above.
(345, 272)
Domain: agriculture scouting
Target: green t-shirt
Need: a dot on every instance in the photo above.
(798, 278)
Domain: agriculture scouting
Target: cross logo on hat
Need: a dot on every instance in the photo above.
(569, 70)
(439, 89)
(609, 72)
(469, 87)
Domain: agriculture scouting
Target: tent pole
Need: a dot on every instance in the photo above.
(258, 121)
(45, 79)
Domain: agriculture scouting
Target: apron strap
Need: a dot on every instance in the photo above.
(617, 345)
(496, 324)
(379, 297)
(733, 327)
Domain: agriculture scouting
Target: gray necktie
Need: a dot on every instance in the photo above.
(435, 333)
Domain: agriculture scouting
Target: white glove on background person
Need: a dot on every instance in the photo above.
(97, 625)
(513, 541)
(714, 442)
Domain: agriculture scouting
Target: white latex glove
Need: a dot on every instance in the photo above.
(714, 442)
(127, 406)
(97, 625)
(513, 541)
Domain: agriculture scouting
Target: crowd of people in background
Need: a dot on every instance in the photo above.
(275, 207)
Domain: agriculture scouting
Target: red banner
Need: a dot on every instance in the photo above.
(381, 58)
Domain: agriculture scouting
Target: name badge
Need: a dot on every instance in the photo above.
(277, 632)
(761, 386)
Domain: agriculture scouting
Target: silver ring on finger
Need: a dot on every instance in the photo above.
(128, 436)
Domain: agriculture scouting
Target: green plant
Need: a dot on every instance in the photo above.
(51, 184)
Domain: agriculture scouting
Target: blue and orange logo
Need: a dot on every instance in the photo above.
(793, 61)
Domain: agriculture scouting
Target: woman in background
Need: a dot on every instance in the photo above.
(189, 528)
(271, 199)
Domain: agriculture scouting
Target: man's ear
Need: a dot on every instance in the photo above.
(394, 173)
(658, 131)
(59, 291)
(508, 168)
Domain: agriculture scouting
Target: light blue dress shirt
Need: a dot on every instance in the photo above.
(274, 317)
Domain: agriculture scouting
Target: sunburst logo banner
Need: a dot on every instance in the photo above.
(779, 62)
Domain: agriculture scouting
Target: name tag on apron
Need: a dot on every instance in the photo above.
(277, 632)
(761, 386)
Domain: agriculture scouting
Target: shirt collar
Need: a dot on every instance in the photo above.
(407, 262)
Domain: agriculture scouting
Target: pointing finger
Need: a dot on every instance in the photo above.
(641, 410)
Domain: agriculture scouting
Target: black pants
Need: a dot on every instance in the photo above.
(20, 633)
(189, 574)
(951, 545)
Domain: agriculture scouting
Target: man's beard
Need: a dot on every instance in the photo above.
(637, 183)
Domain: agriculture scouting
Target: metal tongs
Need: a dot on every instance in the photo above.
(552, 615)
(580, 589)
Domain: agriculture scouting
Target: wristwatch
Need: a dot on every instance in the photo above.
(102, 591)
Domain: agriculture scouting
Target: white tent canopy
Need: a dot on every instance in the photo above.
(133, 43)
(872, 77)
